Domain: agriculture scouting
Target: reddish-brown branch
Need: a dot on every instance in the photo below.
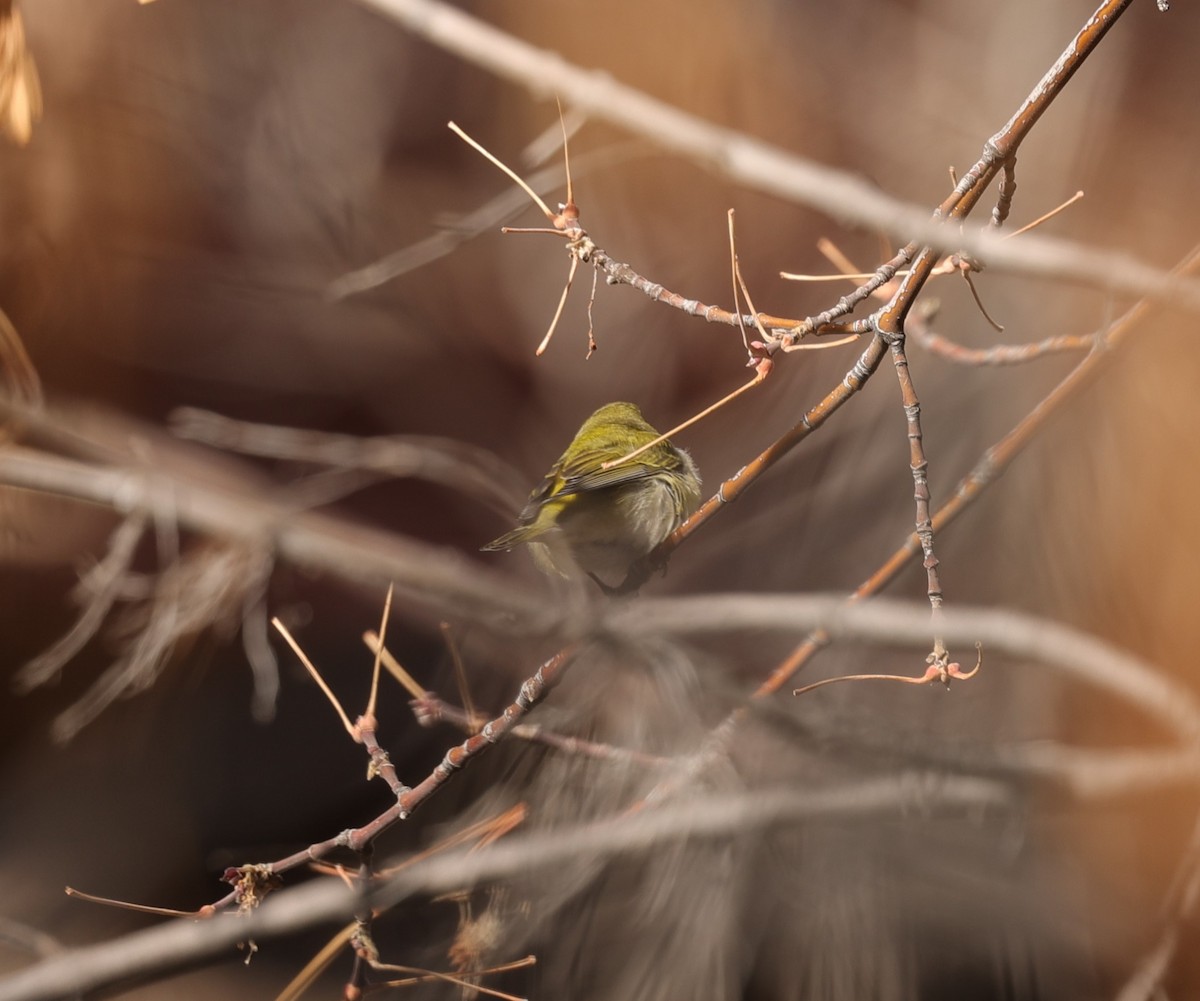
(919, 465)
(617, 273)
(993, 462)
(883, 274)
(360, 839)
(778, 172)
(1001, 354)
(990, 466)
(1006, 190)
(533, 690)
(381, 764)
(782, 330)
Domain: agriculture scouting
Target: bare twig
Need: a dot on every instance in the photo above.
(919, 466)
(1001, 354)
(315, 675)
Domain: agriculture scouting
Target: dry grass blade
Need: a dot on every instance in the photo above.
(513, 175)
(387, 610)
(302, 981)
(125, 905)
(316, 676)
(375, 645)
(460, 675)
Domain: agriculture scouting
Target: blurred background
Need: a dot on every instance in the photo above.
(172, 235)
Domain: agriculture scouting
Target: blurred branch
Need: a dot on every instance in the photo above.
(1092, 774)
(1180, 905)
(430, 709)
(22, 936)
(919, 330)
(786, 175)
(104, 586)
(476, 472)
(192, 593)
(1084, 657)
(162, 949)
(17, 374)
(429, 577)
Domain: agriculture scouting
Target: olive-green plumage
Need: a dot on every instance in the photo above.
(602, 520)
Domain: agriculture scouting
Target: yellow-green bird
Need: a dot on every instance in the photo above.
(602, 520)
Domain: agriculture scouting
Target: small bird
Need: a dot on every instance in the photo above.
(601, 520)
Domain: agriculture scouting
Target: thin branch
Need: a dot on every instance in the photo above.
(316, 676)
(937, 671)
(994, 324)
(387, 611)
(448, 978)
(516, 964)
(126, 905)
(1001, 354)
(759, 376)
(302, 981)
(429, 709)
(562, 301)
(512, 174)
(495, 212)
(1046, 216)
(920, 475)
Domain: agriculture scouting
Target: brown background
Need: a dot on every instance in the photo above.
(204, 170)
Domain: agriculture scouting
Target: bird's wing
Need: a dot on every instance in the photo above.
(598, 479)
